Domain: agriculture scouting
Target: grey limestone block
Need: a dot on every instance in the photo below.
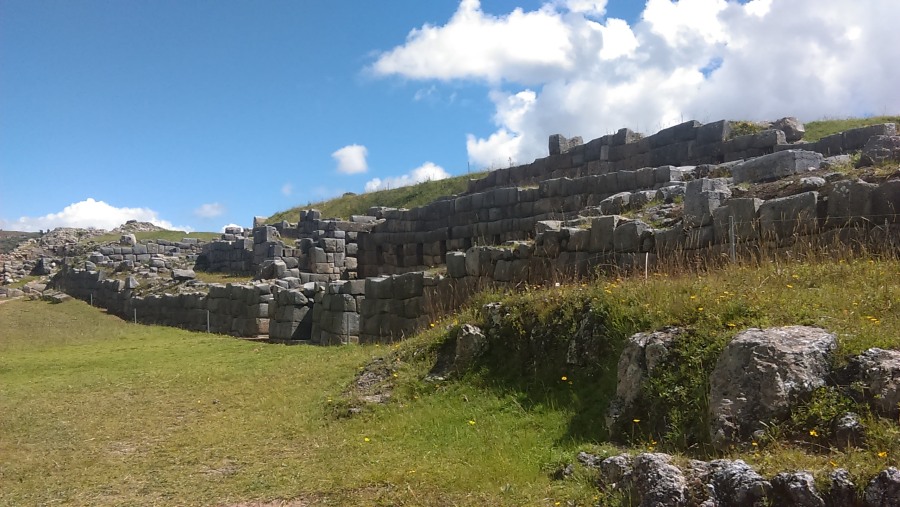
(856, 139)
(456, 264)
(745, 214)
(886, 202)
(579, 240)
(630, 235)
(776, 165)
(699, 237)
(849, 200)
(602, 229)
(669, 240)
(786, 216)
(701, 197)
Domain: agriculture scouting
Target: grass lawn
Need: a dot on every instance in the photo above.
(97, 411)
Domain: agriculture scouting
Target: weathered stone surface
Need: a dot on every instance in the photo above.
(602, 233)
(183, 275)
(588, 460)
(631, 236)
(642, 354)
(848, 430)
(880, 149)
(470, 345)
(456, 264)
(761, 374)
(616, 203)
(796, 489)
(856, 139)
(657, 482)
(701, 197)
(842, 492)
(879, 371)
(616, 471)
(744, 211)
(736, 484)
(792, 127)
(776, 166)
(883, 490)
(128, 240)
(850, 201)
(786, 216)
(131, 283)
(669, 193)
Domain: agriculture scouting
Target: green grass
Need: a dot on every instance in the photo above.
(816, 130)
(208, 277)
(96, 411)
(403, 197)
(9, 240)
(164, 235)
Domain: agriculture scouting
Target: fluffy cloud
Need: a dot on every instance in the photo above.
(210, 210)
(426, 172)
(690, 59)
(351, 159)
(88, 213)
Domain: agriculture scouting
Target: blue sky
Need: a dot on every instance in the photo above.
(197, 114)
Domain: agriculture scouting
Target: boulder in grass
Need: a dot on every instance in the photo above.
(183, 275)
(761, 374)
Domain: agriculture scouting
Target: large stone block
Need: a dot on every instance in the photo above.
(786, 216)
(408, 285)
(761, 374)
(632, 236)
(456, 264)
(701, 197)
(744, 211)
(850, 201)
(856, 139)
(776, 165)
(886, 202)
(602, 233)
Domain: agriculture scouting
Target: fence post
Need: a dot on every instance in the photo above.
(207, 321)
(135, 315)
(731, 237)
(646, 265)
(92, 299)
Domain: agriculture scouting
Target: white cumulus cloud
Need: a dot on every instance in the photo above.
(425, 172)
(351, 159)
(590, 75)
(88, 213)
(210, 210)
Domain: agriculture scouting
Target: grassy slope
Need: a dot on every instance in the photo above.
(403, 197)
(173, 236)
(423, 193)
(97, 411)
(816, 130)
(94, 411)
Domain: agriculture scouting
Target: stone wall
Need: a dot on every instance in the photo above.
(336, 317)
(233, 253)
(236, 309)
(507, 203)
(313, 249)
(151, 254)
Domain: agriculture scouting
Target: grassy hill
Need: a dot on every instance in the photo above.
(423, 193)
(403, 197)
(9, 240)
